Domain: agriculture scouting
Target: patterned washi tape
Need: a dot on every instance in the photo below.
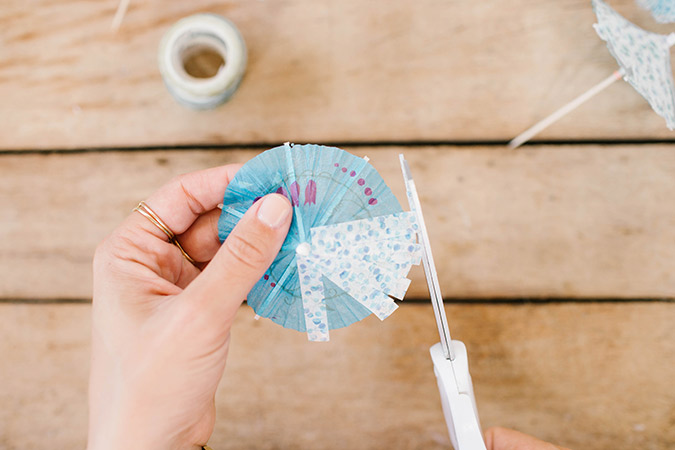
(216, 34)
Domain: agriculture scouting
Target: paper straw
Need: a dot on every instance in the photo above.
(560, 113)
(119, 15)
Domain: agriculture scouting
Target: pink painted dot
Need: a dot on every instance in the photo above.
(352, 173)
(337, 165)
(266, 277)
(344, 169)
(372, 201)
(361, 181)
(368, 191)
(274, 284)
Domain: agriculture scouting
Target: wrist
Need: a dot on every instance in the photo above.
(120, 424)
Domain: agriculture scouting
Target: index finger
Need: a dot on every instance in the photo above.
(181, 201)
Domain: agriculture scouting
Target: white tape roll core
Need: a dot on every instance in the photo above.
(194, 33)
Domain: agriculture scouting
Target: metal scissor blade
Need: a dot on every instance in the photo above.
(428, 261)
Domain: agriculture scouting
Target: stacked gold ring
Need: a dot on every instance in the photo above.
(159, 223)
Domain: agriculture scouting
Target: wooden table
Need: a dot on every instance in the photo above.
(556, 259)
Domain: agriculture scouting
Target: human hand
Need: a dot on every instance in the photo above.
(161, 325)
(505, 439)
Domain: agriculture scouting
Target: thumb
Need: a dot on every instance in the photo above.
(244, 256)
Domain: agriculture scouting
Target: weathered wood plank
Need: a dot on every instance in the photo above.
(542, 222)
(587, 376)
(348, 71)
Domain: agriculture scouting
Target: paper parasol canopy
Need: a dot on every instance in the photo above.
(643, 56)
(349, 248)
(662, 10)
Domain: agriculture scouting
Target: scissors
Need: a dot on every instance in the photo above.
(449, 357)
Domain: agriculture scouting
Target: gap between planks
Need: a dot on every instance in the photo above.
(411, 301)
(502, 144)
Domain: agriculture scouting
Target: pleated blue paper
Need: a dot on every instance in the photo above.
(326, 185)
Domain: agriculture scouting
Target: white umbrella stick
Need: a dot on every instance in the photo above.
(560, 113)
(119, 15)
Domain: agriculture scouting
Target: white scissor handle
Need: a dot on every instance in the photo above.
(459, 403)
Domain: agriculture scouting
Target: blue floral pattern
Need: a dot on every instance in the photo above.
(368, 259)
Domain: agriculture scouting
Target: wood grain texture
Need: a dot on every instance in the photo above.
(581, 222)
(587, 376)
(319, 71)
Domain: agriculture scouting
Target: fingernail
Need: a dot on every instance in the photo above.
(274, 210)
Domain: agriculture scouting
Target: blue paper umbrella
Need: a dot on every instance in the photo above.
(662, 10)
(349, 247)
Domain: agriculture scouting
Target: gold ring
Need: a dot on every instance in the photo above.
(159, 223)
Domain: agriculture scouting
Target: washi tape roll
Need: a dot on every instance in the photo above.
(202, 59)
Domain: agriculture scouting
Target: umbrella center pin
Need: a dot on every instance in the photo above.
(303, 249)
